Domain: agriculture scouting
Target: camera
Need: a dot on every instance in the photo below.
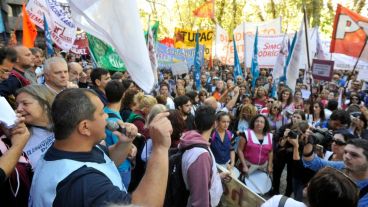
(321, 136)
(293, 134)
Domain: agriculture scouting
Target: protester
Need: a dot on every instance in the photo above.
(100, 77)
(15, 170)
(199, 169)
(56, 75)
(34, 104)
(255, 150)
(184, 106)
(8, 57)
(84, 170)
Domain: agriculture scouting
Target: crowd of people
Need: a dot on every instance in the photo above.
(86, 136)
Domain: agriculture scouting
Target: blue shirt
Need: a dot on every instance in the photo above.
(112, 139)
(221, 149)
(318, 163)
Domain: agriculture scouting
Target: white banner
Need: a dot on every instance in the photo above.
(268, 50)
(63, 30)
(224, 48)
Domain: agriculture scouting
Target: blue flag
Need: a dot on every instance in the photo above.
(49, 48)
(2, 28)
(255, 67)
(237, 69)
(283, 78)
(197, 64)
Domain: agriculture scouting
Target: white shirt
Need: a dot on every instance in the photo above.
(37, 145)
(274, 202)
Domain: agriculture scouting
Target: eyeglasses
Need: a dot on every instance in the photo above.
(338, 142)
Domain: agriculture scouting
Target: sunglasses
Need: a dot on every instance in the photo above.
(338, 142)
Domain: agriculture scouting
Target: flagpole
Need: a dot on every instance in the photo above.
(306, 35)
(356, 64)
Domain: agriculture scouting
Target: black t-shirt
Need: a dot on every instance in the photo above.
(85, 186)
(190, 122)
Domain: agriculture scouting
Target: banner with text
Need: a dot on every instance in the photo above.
(80, 45)
(185, 38)
(167, 56)
(224, 48)
(268, 49)
(63, 30)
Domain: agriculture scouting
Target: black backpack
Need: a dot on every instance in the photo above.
(176, 193)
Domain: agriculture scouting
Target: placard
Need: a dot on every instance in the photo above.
(179, 68)
(322, 69)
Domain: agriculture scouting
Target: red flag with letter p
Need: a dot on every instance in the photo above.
(350, 32)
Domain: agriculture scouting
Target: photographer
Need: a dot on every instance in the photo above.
(359, 125)
(301, 175)
(284, 153)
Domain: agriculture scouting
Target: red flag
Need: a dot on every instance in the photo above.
(29, 29)
(206, 10)
(349, 35)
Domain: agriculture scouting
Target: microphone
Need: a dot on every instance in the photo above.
(114, 126)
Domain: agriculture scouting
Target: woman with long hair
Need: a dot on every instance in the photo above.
(318, 120)
(261, 98)
(274, 117)
(298, 100)
(247, 112)
(286, 100)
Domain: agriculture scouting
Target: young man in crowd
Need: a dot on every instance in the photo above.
(100, 78)
(184, 106)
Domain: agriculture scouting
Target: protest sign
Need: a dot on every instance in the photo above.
(185, 38)
(80, 45)
(268, 50)
(322, 69)
(236, 194)
(166, 56)
(224, 48)
(63, 30)
(179, 68)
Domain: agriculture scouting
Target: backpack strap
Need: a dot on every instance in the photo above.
(23, 81)
(282, 201)
(112, 115)
(363, 191)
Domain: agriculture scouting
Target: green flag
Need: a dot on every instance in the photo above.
(104, 55)
(154, 29)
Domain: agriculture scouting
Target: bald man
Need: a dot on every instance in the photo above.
(75, 72)
(16, 78)
(219, 106)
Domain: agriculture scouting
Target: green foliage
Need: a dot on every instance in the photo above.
(230, 13)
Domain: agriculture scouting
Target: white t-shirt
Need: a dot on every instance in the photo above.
(274, 202)
(39, 142)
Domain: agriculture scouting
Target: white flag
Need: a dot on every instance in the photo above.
(117, 23)
(292, 72)
(152, 54)
(320, 54)
(278, 70)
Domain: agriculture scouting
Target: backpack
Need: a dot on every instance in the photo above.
(176, 193)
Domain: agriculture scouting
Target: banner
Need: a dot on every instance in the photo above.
(225, 51)
(349, 34)
(80, 45)
(342, 62)
(63, 30)
(168, 55)
(185, 38)
(104, 55)
(268, 50)
(322, 69)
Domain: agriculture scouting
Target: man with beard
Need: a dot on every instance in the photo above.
(16, 78)
(184, 106)
(355, 164)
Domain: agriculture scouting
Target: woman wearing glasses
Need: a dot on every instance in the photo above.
(274, 117)
(340, 138)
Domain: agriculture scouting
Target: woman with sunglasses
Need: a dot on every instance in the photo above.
(274, 117)
(340, 138)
